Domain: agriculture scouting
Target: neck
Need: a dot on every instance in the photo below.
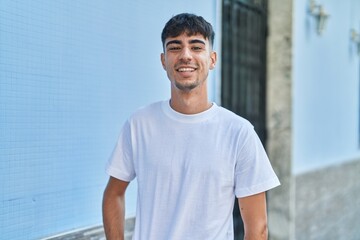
(191, 102)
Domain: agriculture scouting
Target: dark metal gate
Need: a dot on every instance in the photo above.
(243, 86)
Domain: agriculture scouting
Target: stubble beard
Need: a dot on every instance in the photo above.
(186, 87)
(189, 86)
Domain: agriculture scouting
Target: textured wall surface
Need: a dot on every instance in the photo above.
(71, 72)
(327, 203)
(59, 79)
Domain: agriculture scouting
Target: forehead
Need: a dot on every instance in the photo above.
(185, 38)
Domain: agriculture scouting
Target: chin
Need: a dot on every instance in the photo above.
(186, 87)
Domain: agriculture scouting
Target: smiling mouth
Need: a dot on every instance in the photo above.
(186, 69)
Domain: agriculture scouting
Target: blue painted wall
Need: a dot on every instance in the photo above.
(71, 72)
(326, 86)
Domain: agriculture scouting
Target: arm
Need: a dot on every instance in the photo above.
(253, 212)
(114, 209)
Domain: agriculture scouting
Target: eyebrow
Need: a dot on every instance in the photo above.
(173, 42)
(197, 41)
(191, 42)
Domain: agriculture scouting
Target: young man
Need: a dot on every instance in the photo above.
(190, 156)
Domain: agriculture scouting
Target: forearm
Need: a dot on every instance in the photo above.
(253, 213)
(113, 216)
(256, 233)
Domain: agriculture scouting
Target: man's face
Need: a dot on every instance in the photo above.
(187, 60)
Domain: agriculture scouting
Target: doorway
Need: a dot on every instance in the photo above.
(243, 75)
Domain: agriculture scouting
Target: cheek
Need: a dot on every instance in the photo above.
(167, 64)
(168, 67)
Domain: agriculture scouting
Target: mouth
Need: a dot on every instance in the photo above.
(186, 69)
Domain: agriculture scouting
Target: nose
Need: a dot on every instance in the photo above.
(185, 55)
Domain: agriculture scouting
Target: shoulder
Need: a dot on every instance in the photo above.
(144, 117)
(233, 120)
(146, 113)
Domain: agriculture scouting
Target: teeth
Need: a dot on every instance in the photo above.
(186, 69)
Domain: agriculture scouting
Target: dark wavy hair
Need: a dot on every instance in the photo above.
(190, 24)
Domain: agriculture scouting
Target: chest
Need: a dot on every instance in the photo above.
(178, 155)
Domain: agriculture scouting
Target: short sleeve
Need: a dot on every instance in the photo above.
(120, 164)
(253, 171)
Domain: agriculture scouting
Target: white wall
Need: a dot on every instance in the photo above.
(71, 72)
(326, 86)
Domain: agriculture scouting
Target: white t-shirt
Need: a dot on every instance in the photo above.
(189, 169)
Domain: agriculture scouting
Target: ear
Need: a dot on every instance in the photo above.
(213, 59)
(162, 58)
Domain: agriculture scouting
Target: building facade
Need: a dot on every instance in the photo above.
(313, 119)
(72, 72)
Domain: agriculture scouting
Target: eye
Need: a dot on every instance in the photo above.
(174, 48)
(197, 48)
